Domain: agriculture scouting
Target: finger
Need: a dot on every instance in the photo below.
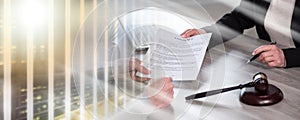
(134, 62)
(137, 78)
(142, 69)
(262, 49)
(268, 59)
(190, 33)
(136, 65)
(171, 92)
(273, 64)
(184, 32)
(169, 86)
(141, 79)
(263, 55)
(168, 83)
(266, 54)
(167, 79)
(276, 63)
(132, 74)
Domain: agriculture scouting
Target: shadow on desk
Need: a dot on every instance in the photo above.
(205, 104)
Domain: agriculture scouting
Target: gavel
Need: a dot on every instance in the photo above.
(262, 94)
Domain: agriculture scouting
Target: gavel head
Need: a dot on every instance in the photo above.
(261, 83)
(262, 94)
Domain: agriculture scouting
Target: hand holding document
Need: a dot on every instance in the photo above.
(171, 55)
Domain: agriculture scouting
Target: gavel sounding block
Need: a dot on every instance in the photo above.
(250, 96)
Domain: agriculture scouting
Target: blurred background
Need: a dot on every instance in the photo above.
(36, 43)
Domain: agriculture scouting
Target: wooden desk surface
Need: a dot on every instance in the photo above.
(228, 69)
(225, 66)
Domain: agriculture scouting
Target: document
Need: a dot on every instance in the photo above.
(170, 55)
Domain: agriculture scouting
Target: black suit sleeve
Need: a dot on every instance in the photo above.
(232, 24)
(292, 57)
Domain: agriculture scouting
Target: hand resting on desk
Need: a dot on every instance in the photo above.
(271, 55)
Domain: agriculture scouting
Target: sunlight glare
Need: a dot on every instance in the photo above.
(33, 14)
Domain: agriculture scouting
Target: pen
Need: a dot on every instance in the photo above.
(257, 55)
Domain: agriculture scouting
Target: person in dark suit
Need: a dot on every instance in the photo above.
(275, 20)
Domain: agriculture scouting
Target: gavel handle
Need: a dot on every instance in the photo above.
(213, 92)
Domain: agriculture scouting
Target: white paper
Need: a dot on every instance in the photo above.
(170, 55)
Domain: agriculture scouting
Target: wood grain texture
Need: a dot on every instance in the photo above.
(225, 66)
(237, 71)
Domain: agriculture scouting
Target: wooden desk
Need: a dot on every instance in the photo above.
(225, 66)
(232, 67)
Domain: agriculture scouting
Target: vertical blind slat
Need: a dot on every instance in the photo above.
(82, 61)
(30, 74)
(95, 56)
(50, 62)
(116, 54)
(105, 61)
(67, 60)
(7, 60)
